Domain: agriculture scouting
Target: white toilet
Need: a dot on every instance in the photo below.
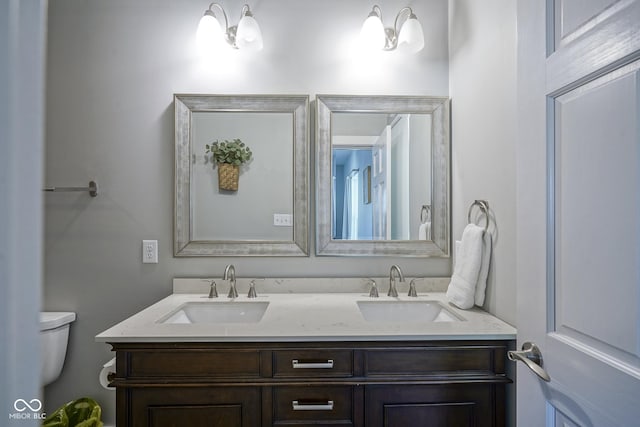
(54, 335)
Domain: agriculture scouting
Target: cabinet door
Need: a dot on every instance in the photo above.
(434, 405)
(193, 406)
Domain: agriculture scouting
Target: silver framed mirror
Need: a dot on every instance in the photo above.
(382, 176)
(266, 213)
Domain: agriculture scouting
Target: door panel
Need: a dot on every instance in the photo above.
(606, 42)
(597, 207)
(575, 16)
(579, 185)
(561, 420)
(380, 181)
(399, 183)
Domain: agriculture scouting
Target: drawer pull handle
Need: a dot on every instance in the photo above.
(312, 364)
(312, 406)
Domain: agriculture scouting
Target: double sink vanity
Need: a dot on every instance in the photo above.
(340, 357)
(312, 351)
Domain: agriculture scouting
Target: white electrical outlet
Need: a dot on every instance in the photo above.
(149, 251)
(283, 220)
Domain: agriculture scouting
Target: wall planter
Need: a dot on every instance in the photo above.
(228, 176)
(229, 155)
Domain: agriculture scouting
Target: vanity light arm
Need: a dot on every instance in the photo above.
(396, 29)
(246, 11)
(375, 10)
(226, 20)
(390, 34)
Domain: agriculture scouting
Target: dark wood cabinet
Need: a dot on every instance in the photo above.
(200, 406)
(360, 384)
(443, 405)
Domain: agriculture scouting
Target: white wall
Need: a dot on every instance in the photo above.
(113, 67)
(482, 73)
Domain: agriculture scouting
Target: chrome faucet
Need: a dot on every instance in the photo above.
(213, 292)
(393, 292)
(230, 275)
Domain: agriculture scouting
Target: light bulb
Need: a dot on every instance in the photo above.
(209, 33)
(372, 35)
(411, 37)
(248, 34)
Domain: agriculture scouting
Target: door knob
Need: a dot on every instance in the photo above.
(532, 357)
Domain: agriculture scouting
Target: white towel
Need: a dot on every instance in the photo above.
(481, 286)
(462, 288)
(424, 232)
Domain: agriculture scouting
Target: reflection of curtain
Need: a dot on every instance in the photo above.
(346, 207)
(350, 209)
(334, 202)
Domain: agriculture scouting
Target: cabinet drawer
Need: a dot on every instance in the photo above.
(194, 363)
(435, 361)
(313, 403)
(313, 363)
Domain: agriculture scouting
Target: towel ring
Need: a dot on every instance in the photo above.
(484, 207)
(424, 213)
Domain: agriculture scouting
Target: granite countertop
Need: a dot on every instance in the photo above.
(305, 316)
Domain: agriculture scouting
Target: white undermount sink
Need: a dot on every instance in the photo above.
(217, 312)
(405, 311)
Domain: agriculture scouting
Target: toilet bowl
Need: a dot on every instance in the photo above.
(54, 335)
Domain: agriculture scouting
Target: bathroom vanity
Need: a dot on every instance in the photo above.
(310, 359)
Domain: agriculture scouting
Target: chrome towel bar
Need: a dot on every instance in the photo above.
(92, 189)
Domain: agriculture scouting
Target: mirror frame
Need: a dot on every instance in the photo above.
(439, 109)
(185, 105)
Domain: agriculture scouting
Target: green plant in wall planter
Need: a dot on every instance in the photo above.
(229, 156)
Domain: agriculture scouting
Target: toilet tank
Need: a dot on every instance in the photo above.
(54, 336)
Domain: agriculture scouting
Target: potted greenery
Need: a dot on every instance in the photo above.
(229, 155)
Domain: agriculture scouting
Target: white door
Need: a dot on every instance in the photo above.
(23, 29)
(578, 211)
(399, 171)
(381, 188)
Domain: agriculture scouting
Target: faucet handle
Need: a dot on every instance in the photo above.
(412, 288)
(252, 289)
(213, 291)
(373, 292)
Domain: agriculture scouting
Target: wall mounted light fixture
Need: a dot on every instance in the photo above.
(245, 35)
(409, 37)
